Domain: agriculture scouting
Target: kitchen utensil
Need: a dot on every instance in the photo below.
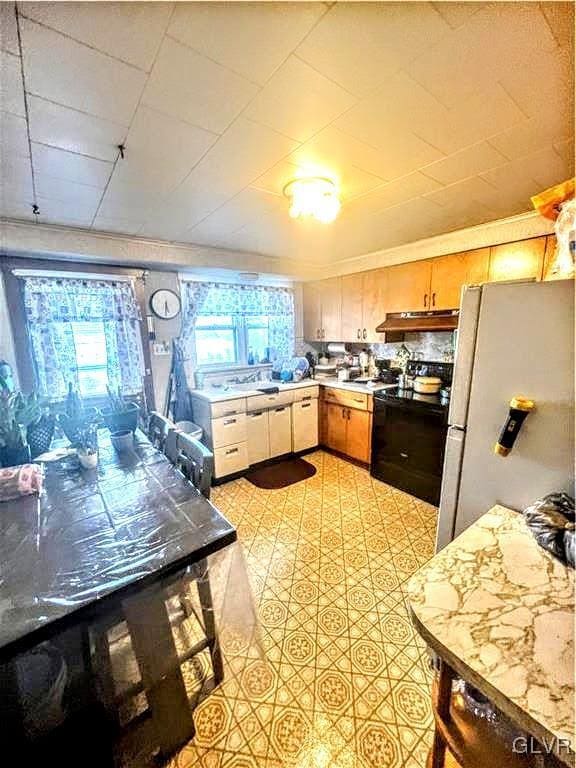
(427, 385)
(122, 440)
(344, 374)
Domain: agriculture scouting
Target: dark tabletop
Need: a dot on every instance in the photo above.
(96, 535)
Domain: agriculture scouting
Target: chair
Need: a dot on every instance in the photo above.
(158, 429)
(195, 461)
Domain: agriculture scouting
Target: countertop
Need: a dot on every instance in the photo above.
(217, 395)
(500, 610)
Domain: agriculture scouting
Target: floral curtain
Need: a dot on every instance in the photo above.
(242, 301)
(53, 304)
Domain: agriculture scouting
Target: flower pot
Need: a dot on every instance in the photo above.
(13, 457)
(40, 435)
(123, 440)
(88, 459)
(123, 420)
(73, 427)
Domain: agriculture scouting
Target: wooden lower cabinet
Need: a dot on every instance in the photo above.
(346, 430)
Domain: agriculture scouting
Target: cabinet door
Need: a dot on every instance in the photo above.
(280, 430)
(517, 261)
(335, 425)
(257, 436)
(450, 273)
(374, 304)
(312, 317)
(331, 302)
(304, 425)
(408, 287)
(358, 435)
(352, 300)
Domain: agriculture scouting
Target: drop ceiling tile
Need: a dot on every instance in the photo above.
(128, 201)
(393, 193)
(74, 131)
(128, 31)
(14, 135)
(359, 45)
(532, 134)
(69, 166)
(496, 41)
(118, 226)
(161, 150)
(482, 115)
(69, 73)
(189, 86)
(298, 101)
(16, 175)
(553, 74)
(560, 17)
(15, 209)
(566, 150)
(455, 13)
(11, 90)
(544, 169)
(463, 194)
(73, 214)
(468, 162)
(67, 192)
(252, 39)
(8, 29)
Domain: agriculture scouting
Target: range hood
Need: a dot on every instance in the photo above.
(410, 322)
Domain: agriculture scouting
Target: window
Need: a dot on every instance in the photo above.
(224, 339)
(91, 358)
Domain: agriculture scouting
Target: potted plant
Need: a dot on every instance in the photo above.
(17, 413)
(40, 433)
(76, 416)
(121, 414)
(86, 445)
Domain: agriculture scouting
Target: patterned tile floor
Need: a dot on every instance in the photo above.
(345, 683)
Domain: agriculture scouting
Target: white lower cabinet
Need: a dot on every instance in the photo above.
(230, 459)
(257, 436)
(304, 425)
(280, 430)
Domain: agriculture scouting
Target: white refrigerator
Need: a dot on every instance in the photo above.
(514, 338)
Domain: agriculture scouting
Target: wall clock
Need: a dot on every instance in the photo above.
(165, 304)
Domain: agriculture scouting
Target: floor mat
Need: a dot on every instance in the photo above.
(282, 474)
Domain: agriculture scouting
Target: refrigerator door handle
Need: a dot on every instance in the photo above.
(450, 491)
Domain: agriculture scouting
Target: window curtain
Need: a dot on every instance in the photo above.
(242, 301)
(53, 304)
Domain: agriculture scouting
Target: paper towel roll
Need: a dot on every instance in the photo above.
(336, 350)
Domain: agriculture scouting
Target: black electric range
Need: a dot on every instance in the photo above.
(409, 436)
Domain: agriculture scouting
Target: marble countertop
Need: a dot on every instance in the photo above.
(500, 610)
(219, 395)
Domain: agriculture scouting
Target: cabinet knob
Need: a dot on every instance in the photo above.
(433, 299)
(425, 299)
(404, 455)
(358, 334)
(364, 334)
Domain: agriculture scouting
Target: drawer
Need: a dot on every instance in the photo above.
(228, 408)
(305, 393)
(230, 459)
(229, 430)
(346, 397)
(262, 402)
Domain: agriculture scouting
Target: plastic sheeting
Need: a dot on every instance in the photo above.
(122, 592)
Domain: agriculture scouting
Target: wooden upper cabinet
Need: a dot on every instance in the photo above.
(352, 302)
(374, 304)
(408, 287)
(331, 307)
(451, 272)
(517, 261)
(312, 311)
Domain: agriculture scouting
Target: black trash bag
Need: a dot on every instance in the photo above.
(552, 521)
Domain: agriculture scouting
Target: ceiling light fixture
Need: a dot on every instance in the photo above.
(314, 196)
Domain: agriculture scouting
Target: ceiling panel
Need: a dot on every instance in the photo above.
(8, 30)
(191, 87)
(70, 166)
(150, 160)
(74, 131)
(496, 41)
(360, 45)
(52, 62)
(252, 39)
(298, 101)
(14, 135)
(428, 116)
(11, 89)
(128, 31)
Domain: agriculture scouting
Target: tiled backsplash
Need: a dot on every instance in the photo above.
(437, 346)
